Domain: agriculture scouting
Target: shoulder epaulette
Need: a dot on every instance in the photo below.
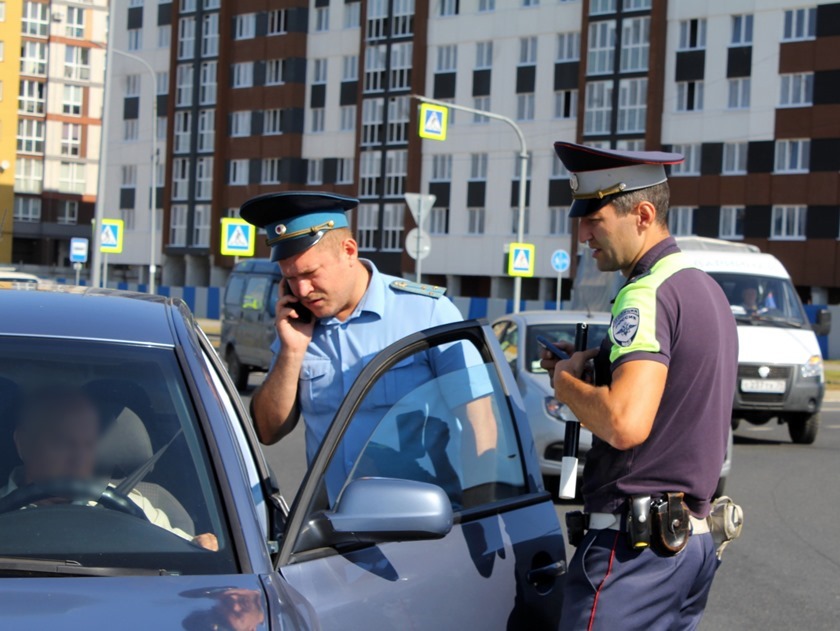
(433, 291)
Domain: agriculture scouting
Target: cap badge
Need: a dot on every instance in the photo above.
(573, 182)
(280, 229)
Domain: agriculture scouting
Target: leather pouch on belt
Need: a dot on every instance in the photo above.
(671, 523)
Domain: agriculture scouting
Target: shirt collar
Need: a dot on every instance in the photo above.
(651, 257)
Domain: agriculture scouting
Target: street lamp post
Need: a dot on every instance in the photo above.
(523, 171)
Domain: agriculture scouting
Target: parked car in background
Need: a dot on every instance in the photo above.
(20, 280)
(517, 335)
(154, 450)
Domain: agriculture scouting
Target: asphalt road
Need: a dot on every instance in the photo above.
(784, 572)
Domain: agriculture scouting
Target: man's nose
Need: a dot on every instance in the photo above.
(304, 288)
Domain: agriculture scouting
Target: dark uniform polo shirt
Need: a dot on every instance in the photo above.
(677, 315)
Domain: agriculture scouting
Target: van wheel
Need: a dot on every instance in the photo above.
(238, 373)
(803, 428)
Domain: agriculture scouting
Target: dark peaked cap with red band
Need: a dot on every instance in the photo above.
(599, 175)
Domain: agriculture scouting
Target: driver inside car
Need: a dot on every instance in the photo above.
(56, 437)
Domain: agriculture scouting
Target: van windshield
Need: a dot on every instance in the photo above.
(762, 300)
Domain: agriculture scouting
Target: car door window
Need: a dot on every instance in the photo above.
(255, 292)
(510, 343)
(235, 288)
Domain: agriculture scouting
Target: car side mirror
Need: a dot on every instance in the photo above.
(823, 324)
(379, 510)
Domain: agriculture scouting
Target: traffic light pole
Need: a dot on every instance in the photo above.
(523, 171)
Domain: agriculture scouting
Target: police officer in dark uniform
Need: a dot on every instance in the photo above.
(659, 405)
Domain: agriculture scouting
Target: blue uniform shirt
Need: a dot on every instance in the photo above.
(340, 350)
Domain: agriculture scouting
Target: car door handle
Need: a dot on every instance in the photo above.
(547, 572)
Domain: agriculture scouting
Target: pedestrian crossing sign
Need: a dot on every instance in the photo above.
(111, 236)
(521, 259)
(238, 237)
(433, 121)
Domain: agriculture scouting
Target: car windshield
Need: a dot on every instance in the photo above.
(762, 300)
(558, 332)
(103, 463)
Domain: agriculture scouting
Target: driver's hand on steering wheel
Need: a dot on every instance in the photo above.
(208, 541)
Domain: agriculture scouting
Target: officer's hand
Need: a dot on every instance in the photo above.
(293, 334)
(549, 360)
(579, 365)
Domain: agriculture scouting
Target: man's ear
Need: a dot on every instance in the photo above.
(647, 214)
(350, 248)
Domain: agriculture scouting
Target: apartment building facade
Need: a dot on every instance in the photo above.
(10, 14)
(60, 91)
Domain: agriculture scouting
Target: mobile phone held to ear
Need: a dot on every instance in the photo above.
(545, 343)
(304, 314)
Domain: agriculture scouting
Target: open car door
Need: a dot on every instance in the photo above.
(424, 506)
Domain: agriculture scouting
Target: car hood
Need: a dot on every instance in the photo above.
(158, 602)
(775, 345)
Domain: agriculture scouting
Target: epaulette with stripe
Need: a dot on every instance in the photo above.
(433, 291)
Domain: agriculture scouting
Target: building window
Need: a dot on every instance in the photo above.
(180, 178)
(274, 72)
(348, 117)
(399, 111)
(691, 164)
(344, 171)
(689, 96)
(441, 168)
(132, 85)
(370, 172)
(485, 6)
(74, 25)
(396, 170)
(36, 19)
(318, 116)
(278, 22)
(210, 35)
(635, 5)
(526, 223)
(375, 68)
(72, 101)
(559, 223)
(71, 177)
(27, 209)
(183, 129)
(238, 175)
(273, 122)
(33, 58)
(447, 58)
(31, 97)
(601, 54)
(565, 103)
(439, 220)
(788, 222)
(204, 178)
(184, 85)
(29, 175)
(793, 156)
(731, 222)
(206, 130)
(186, 38)
(568, 47)
(598, 111)
(681, 221)
(558, 170)
(797, 89)
(632, 105)
(245, 26)
(319, 72)
(322, 19)
(350, 68)
(164, 36)
(692, 34)
(481, 103)
(742, 30)
(76, 63)
(448, 7)
(735, 158)
(131, 130)
(352, 14)
(373, 118)
(602, 7)
(207, 87)
(478, 167)
(178, 226)
(377, 18)
(160, 128)
(800, 24)
(402, 22)
(128, 217)
(392, 227)
(401, 66)
(201, 226)
(128, 176)
(475, 220)
(314, 171)
(367, 225)
(530, 3)
(240, 124)
(30, 135)
(162, 82)
(135, 38)
(69, 213)
(243, 74)
(527, 51)
(739, 93)
(71, 139)
(483, 55)
(525, 107)
(635, 44)
(270, 171)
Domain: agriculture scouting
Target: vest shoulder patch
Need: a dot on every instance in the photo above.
(432, 291)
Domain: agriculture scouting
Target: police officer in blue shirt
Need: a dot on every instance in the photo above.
(659, 407)
(335, 312)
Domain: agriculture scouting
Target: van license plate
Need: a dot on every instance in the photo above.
(773, 386)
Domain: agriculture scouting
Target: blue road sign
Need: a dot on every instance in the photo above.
(78, 250)
(560, 261)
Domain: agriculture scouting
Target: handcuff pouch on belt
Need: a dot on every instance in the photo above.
(577, 523)
(671, 524)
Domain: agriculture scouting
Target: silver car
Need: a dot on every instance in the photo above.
(517, 334)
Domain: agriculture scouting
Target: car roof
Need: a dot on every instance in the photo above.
(529, 318)
(65, 311)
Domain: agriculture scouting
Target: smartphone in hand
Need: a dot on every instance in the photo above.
(304, 314)
(548, 345)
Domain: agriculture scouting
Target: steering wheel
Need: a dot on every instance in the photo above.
(74, 491)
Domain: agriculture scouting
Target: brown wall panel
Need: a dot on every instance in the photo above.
(797, 56)
(758, 189)
(794, 122)
(792, 256)
(822, 189)
(274, 47)
(825, 120)
(708, 193)
(827, 53)
(733, 190)
(684, 190)
(789, 189)
(820, 261)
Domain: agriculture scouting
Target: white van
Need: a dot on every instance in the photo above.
(780, 367)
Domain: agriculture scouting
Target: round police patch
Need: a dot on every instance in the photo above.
(625, 326)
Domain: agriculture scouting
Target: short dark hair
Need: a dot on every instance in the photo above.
(659, 195)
